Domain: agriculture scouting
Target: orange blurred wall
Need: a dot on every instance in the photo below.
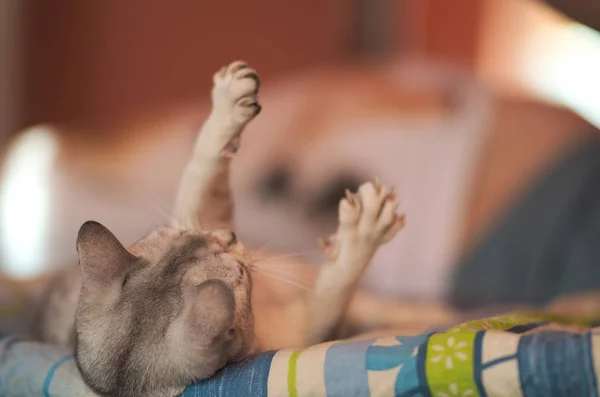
(97, 62)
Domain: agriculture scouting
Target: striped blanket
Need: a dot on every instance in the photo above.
(516, 355)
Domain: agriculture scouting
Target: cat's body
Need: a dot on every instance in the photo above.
(179, 304)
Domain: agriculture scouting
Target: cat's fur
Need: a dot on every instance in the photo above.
(176, 306)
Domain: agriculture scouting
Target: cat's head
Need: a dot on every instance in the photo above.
(172, 309)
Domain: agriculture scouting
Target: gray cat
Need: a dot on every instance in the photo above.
(175, 307)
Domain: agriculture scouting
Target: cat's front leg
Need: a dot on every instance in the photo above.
(367, 220)
(204, 197)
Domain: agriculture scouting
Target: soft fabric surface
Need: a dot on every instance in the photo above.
(546, 243)
(515, 355)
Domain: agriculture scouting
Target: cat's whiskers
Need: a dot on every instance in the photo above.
(264, 246)
(283, 279)
(282, 273)
(278, 257)
(280, 277)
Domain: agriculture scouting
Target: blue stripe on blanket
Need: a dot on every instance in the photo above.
(345, 369)
(50, 375)
(246, 378)
(556, 363)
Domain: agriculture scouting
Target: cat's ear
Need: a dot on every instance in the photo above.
(212, 314)
(102, 258)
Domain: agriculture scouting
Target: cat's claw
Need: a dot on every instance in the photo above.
(396, 225)
(351, 198)
(378, 185)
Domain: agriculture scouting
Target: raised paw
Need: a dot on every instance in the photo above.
(235, 98)
(379, 220)
(367, 219)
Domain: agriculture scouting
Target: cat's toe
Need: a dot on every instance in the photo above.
(349, 210)
(393, 228)
(236, 66)
(378, 221)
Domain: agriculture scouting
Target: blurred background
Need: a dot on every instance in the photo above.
(469, 107)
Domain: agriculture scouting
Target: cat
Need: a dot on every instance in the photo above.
(176, 306)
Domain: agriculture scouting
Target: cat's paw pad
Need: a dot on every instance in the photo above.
(235, 93)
